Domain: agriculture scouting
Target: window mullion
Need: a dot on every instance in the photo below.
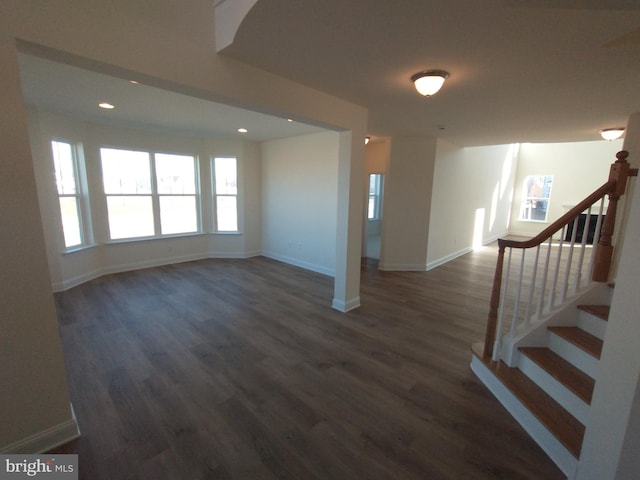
(155, 197)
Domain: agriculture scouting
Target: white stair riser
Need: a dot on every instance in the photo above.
(556, 390)
(592, 324)
(574, 355)
(547, 441)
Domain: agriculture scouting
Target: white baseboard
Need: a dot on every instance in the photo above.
(300, 263)
(402, 267)
(48, 439)
(448, 258)
(345, 306)
(127, 267)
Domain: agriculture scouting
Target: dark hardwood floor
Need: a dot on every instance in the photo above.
(240, 369)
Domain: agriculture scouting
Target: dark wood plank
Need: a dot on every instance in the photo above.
(571, 377)
(241, 369)
(600, 311)
(581, 339)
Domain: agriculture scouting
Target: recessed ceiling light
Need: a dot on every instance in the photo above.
(242, 130)
(133, 82)
(289, 120)
(106, 106)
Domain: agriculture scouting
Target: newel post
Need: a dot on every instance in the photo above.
(619, 173)
(492, 318)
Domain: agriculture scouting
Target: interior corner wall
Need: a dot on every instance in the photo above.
(471, 203)
(407, 203)
(578, 168)
(299, 200)
(34, 392)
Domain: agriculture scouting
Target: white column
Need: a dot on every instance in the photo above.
(350, 215)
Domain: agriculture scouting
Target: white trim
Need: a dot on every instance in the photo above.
(46, 439)
(402, 267)
(448, 258)
(239, 255)
(345, 306)
(452, 256)
(299, 263)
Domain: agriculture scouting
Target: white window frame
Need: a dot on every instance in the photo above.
(81, 194)
(530, 197)
(155, 196)
(374, 198)
(217, 196)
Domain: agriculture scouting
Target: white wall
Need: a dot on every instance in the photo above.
(472, 192)
(407, 203)
(69, 269)
(578, 169)
(299, 200)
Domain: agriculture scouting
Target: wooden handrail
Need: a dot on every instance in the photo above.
(614, 188)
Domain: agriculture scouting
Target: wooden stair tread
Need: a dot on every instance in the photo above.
(571, 377)
(581, 339)
(563, 425)
(600, 311)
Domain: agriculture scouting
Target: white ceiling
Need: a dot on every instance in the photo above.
(520, 70)
(76, 92)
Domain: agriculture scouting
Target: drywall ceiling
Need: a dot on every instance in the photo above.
(520, 70)
(76, 92)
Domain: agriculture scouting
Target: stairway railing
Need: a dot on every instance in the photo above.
(559, 263)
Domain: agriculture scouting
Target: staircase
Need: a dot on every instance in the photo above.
(550, 388)
(547, 320)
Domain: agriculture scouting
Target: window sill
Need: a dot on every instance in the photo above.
(226, 233)
(79, 248)
(147, 239)
(533, 221)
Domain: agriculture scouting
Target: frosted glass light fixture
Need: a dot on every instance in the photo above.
(428, 82)
(612, 133)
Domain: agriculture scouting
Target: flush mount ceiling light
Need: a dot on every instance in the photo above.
(612, 133)
(428, 82)
(242, 130)
(106, 106)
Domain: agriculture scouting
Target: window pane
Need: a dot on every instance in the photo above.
(536, 191)
(226, 176)
(70, 221)
(373, 183)
(63, 165)
(178, 214)
(227, 214)
(130, 217)
(125, 172)
(175, 174)
(371, 210)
